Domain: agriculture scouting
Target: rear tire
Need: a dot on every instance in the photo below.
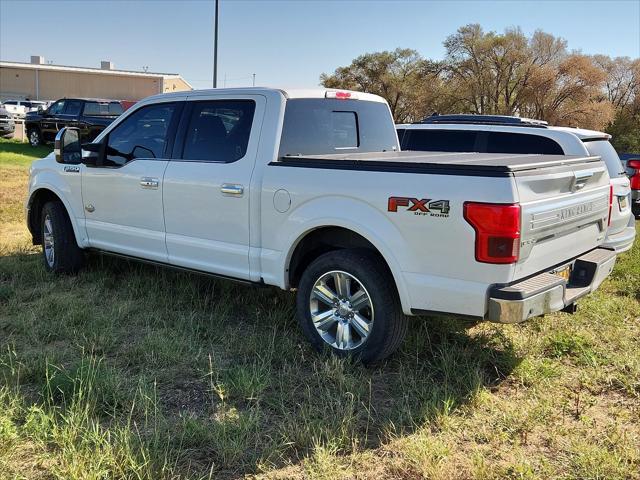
(60, 251)
(347, 302)
(34, 137)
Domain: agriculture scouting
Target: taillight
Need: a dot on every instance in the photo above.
(610, 203)
(635, 178)
(497, 227)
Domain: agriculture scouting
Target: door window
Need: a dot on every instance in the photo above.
(73, 107)
(440, 140)
(143, 134)
(57, 108)
(219, 130)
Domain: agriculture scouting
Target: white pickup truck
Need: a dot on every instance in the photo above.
(308, 190)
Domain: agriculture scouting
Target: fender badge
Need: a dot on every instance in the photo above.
(71, 169)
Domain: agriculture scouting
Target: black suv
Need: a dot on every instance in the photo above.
(89, 115)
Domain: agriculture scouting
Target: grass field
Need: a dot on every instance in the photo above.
(128, 371)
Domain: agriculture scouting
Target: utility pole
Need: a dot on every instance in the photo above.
(215, 46)
(254, 79)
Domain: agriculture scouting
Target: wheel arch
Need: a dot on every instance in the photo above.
(318, 240)
(36, 202)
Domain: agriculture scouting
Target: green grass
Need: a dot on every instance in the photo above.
(15, 153)
(128, 371)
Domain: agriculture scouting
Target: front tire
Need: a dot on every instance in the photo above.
(34, 137)
(347, 302)
(60, 251)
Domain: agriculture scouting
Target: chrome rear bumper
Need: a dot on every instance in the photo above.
(547, 292)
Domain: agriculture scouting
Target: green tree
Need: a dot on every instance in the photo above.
(401, 77)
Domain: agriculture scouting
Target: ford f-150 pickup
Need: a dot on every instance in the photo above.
(308, 191)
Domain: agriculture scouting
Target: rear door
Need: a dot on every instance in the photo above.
(206, 185)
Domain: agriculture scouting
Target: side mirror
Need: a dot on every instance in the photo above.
(67, 146)
(42, 110)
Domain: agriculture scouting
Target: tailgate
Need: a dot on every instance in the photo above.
(565, 212)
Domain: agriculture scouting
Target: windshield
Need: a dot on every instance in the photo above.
(97, 109)
(604, 149)
(318, 126)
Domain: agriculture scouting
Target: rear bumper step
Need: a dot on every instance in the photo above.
(547, 292)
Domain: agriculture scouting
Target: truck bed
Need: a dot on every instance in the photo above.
(441, 163)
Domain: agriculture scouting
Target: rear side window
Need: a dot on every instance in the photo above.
(504, 142)
(440, 140)
(97, 109)
(610, 157)
(218, 130)
(143, 134)
(317, 126)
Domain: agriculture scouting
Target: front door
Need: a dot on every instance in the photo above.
(123, 196)
(50, 119)
(206, 185)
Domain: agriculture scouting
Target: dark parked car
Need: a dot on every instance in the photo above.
(89, 115)
(7, 125)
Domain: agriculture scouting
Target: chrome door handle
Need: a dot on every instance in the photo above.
(147, 182)
(232, 189)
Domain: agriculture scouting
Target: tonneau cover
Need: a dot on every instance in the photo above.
(489, 164)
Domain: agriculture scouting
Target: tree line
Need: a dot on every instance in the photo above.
(505, 74)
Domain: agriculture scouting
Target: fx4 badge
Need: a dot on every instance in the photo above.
(424, 206)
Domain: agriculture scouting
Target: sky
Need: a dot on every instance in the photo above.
(287, 43)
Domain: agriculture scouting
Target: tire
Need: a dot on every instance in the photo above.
(60, 252)
(368, 331)
(34, 137)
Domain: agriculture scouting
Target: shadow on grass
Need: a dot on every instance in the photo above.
(20, 148)
(235, 384)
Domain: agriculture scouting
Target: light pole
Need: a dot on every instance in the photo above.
(215, 46)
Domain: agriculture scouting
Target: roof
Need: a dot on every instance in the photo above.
(68, 68)
(288, 93)
(483, 119)
(466, 122)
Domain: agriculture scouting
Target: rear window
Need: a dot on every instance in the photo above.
(317, 126)
(97, 109)
(440, 140)
(604, 149)
(505, 142)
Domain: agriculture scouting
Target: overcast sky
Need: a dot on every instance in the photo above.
(287, 43)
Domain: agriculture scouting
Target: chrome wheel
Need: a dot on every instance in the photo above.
(49, 253)
(341, 310)
(34, 138)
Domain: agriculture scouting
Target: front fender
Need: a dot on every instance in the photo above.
(351, 214)
(67, 187)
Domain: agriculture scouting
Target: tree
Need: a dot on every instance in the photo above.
(399, 76)
(505, 73)
(622, 79)
(492, 72)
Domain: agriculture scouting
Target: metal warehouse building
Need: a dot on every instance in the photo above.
(40, 81)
